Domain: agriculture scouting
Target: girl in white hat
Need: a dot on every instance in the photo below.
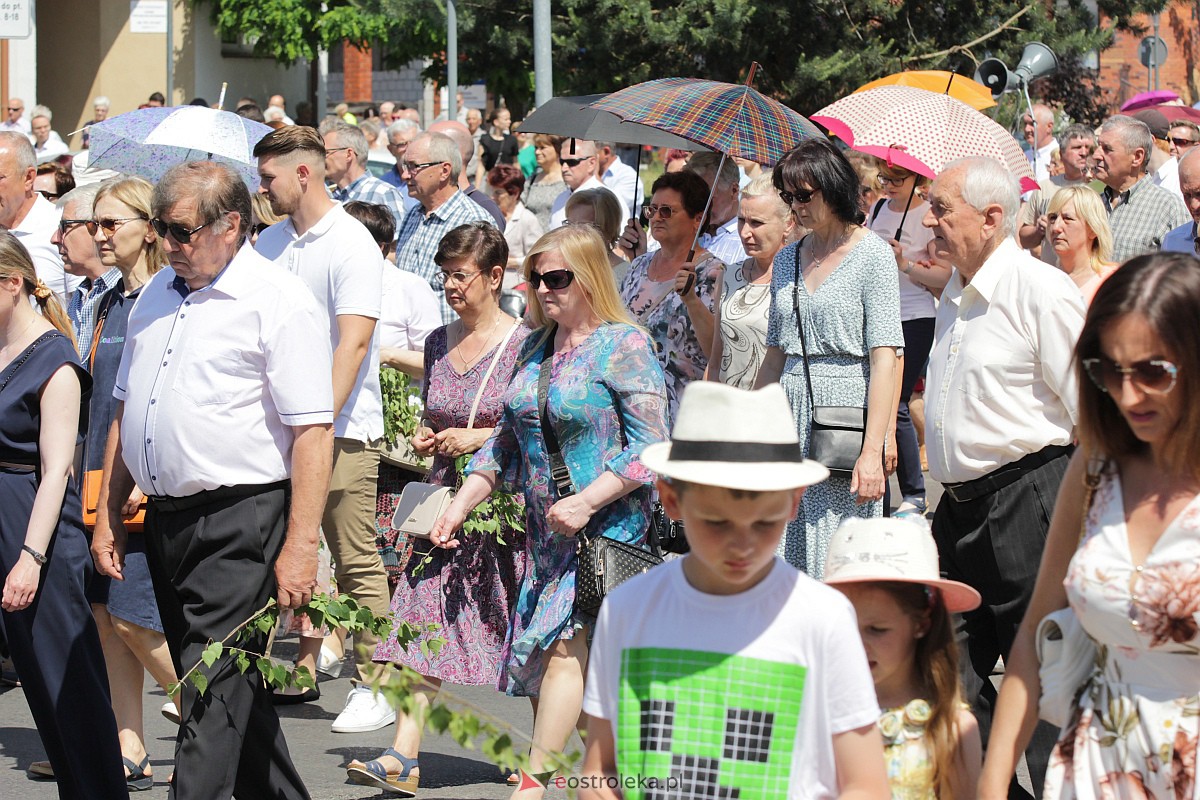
(888, 568)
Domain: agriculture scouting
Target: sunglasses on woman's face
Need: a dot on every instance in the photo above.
(109, 226)
(798, 196)
(556, 279)
(1150, 377)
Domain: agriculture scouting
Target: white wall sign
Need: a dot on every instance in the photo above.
(147, 16)
(16, 20)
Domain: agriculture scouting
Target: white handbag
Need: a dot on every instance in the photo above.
(1066, 654)
(421, 505)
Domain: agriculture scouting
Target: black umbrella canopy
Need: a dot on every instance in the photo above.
(571, 117)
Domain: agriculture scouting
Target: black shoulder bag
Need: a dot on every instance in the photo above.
(836, 436)
(604, 563)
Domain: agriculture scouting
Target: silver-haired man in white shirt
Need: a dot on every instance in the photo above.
(1001, 400)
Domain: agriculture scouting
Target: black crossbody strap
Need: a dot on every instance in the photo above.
(800, 325)
(560, 474)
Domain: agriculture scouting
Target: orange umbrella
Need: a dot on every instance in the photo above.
(973, 93)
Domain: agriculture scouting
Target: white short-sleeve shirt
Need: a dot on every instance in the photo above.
(342, 266)
(411, 310)
(213, 382)
(734, 690)
(34, 232)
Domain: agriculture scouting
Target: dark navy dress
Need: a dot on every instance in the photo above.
(53, 642)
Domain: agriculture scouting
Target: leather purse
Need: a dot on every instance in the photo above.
(1066, 654)
(604, 563)
(836, 433)
(420, 504)
(91, 501)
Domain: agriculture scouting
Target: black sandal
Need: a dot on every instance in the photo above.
(137, 780)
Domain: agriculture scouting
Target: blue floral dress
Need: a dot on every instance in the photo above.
(607, 401)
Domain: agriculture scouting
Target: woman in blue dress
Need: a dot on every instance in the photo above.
(44, 559)
(607, 401)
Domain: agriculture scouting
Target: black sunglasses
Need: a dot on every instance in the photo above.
(1175, 140)
(176, 231)
(260, 227)
(574, 162)
(554, 279)
(799, 196)
(65, 225)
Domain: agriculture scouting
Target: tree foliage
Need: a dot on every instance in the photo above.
(812, 53)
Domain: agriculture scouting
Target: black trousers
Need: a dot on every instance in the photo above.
(213, 567)
(56, 650)
(994, 543)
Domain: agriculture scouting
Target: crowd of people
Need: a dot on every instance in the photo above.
(218, 358)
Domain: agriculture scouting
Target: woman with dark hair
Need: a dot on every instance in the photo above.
(521, 228)
(671, 297)
(1124, 554)
(497, 145)
(53, 180)
(547, 183)
(470, 590)
(835, 326)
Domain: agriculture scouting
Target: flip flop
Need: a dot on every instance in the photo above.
(373, 773)
(137, 780)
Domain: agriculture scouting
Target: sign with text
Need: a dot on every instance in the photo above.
(16, 19)
(147, 16)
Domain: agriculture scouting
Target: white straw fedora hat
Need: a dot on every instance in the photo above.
(890, 549)
(724, 436)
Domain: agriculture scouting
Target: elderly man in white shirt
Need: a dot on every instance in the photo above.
(337, 258)
(579, 170)
(224, 422)
(618, 176)
(1001, 399)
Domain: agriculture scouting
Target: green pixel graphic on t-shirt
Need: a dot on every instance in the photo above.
(723, 725)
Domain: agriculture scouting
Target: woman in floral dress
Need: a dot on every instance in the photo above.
(607, 401)
(668, 296)
(1134, 578)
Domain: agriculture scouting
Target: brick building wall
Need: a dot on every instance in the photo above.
(1122, 73)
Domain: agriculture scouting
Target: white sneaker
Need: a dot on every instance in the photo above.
(329, 662)
(365, 711)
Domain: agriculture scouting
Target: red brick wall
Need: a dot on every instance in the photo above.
(356, 75)
(1122, 74)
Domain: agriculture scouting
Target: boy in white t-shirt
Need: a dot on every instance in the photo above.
(727, 673)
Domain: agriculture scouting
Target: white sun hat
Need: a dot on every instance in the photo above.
(729, 437)
(891, 549)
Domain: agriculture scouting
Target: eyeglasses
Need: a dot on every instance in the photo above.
(1151, 377)
(413, 169)
(176, 231)
(1185, 143)
(109, 226)
(332, 150)
(666, 212)
(556, 279)
(573, 162)
(883, 180)
(16, 108)
(799, 196)
(65, 226)
(460, 278)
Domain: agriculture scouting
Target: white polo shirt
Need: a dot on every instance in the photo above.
(558, 209)
(411, 310)
(342, 266)
(214, 382)
(1001, 383)
(34, 232)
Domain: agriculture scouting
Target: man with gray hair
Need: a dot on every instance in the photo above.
(431, 167)
(1000, 414)
(1039, 135)
(1186, 238)
(1075, 146)
(466, 147)
(1139, 213)
(398, 134)
(80, 258)
(346, 166)
(224, 422)
(29, 216)
(720, 236)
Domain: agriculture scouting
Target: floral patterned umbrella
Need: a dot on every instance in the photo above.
(733, 119)
(921, 131)
(149, 141)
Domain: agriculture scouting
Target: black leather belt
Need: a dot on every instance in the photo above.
(1003, 476)
(164, 503)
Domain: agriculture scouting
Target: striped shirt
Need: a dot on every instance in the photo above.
(82, 308)
(421, 233)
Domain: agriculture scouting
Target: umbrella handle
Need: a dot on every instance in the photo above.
(904, 216)
(712, 190)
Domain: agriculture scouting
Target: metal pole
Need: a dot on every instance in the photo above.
(1154, 53)
(170, 53)
(543, 70)
(451, 60)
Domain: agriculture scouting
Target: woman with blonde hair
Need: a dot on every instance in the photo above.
(600, 209)
(1078, 230)
(43, 549)
(605, 398)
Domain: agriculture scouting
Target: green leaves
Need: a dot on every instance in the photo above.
(401, 405)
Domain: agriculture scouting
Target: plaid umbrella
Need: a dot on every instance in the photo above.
(921, 131)
(733, 119)
(973, 93)
(149, 141)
